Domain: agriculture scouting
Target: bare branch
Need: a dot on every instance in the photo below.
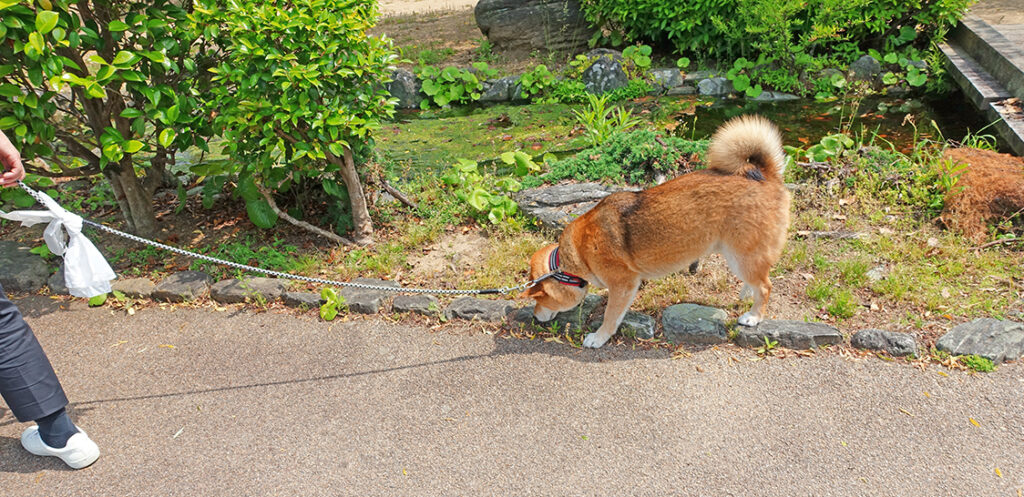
(302, 224)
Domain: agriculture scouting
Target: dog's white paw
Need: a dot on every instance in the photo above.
(594, 340)
(749, 319)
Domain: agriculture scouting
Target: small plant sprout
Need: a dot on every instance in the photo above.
(768, 347)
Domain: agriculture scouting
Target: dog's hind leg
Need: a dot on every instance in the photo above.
(754, 273)
(620, 296)
(756, 280)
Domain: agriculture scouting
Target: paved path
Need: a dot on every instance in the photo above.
(270, 404)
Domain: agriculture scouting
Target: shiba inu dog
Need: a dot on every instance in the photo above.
(738, 207)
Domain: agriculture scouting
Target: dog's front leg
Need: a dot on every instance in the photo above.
(620, 296)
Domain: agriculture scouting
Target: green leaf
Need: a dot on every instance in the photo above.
(172, 114)
(328, 311)
(131, 113)
(98, 300)
(8, 122)
(46, 20)
(123, 57)
(166, 137)
(9, 90)
(132, 146)
(261, 214)
(35, 40)
(479, 199)
(118, 26)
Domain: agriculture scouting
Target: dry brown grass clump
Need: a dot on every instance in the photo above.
(990, 190)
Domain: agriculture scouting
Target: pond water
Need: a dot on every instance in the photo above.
(877, 119)
(434, 139)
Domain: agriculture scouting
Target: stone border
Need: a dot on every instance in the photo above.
(606, 74)
(996, 340)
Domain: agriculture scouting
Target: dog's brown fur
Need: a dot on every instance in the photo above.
(738, 207)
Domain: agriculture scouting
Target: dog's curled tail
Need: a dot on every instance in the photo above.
(749, 145)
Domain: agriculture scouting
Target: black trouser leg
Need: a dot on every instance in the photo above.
(27, 381)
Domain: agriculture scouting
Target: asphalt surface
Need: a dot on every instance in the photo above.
(199, 402)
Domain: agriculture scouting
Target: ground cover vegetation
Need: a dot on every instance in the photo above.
(785, 44)
(261, 129)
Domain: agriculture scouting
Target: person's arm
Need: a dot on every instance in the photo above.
(14, 171)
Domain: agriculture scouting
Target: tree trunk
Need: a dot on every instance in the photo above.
(362, 233)
(136, 201)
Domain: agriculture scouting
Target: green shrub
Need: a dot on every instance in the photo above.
(110, 89)
(601, 121)
(636, 158)
(791, 40)
(452, 85)
(299, 93)
(486, 194)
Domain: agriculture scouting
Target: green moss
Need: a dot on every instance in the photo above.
(433, 140)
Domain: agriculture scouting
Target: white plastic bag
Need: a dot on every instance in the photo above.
(86, 272)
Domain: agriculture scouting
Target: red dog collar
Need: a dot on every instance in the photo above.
(561, 276)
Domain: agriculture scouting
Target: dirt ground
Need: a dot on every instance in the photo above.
(404, 7)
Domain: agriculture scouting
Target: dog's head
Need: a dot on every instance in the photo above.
(552, 295)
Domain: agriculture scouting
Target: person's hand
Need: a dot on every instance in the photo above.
(14, 171)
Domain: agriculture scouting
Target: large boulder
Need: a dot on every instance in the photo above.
(406, 88)
(556, 206)
(21, 270)
(527, 25)
(604, 75)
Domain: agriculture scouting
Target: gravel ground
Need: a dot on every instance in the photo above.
(200, 402)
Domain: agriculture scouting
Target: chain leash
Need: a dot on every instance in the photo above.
(308, 279)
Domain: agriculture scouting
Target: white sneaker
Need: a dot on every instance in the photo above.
(79, 452)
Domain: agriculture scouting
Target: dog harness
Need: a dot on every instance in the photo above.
(562, 276)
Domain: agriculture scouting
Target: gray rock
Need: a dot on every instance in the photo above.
(694, 324)
(556, 206)
(790, 334)
(865, 68)
(406, 88)
(57, 284)
(715, 87)
(235, 291)
(681, 90)
(634, 324)
(877, 273)
(571, 321)
(697, 76)
(896, 344)
(21, 270)
(426, 305)
(667, 79)
(308, 300)
(604, 75)
(527, 25)
(990, 338)
(474, 309)
(183, 286)
(364, 301)
(774, 96)
(920, 64)
(500, 90)
(135, 288)
(607, 53)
